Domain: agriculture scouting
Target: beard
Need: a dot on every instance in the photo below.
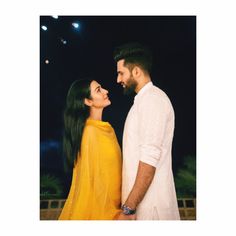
(130, 86)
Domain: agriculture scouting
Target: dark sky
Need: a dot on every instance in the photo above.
(88, 52)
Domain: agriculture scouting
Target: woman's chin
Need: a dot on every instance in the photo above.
(108, 103)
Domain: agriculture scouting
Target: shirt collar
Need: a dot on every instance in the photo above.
(142, 90)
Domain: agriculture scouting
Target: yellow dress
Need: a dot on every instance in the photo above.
(95, 192)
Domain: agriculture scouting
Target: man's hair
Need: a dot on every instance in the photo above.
(134, 54)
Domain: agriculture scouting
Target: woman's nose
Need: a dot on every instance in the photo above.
(105, 91)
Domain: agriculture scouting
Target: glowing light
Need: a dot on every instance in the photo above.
(63, 41)
(47, 61)
(75, 25)
(55, 17)
(44, 27)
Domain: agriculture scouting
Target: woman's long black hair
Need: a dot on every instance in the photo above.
(75, 115)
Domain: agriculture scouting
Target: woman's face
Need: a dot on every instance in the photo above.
(99, 96)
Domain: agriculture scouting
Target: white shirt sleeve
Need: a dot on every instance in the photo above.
(153, 114)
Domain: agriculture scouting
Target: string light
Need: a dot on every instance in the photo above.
(44, 27)
(75, 25)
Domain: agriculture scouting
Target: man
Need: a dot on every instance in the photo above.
(148, 191)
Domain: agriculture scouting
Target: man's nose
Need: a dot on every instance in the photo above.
(118, 79)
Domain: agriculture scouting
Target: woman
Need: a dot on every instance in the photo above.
(92, 149)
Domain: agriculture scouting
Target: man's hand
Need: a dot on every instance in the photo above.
(121, 216)
(142, 182)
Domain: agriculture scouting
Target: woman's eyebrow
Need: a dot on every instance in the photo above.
(98, 87)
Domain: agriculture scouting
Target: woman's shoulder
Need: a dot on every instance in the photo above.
(97, 128)
(89, 129)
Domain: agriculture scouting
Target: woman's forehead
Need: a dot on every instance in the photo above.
(94, 84)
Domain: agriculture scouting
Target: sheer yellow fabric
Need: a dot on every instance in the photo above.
(95, 191)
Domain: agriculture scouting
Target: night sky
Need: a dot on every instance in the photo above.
(87, 51)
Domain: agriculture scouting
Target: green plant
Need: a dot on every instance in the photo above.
(185, 179)
(50, 186)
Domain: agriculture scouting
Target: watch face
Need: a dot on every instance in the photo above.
(127, 210)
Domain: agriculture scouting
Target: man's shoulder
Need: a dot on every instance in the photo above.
(155, 93)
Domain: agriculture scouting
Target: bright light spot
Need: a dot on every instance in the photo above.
(55, 17)
(44, 27)
(76, 25)
(63, 41)
(47, 61)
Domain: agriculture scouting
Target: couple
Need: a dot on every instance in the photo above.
(147, 191)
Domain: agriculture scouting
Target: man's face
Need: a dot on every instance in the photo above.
(125, 78)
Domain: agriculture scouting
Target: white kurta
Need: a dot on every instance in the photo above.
(147, 137)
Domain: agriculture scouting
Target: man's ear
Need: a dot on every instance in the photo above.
(136, 71)
(88, 102)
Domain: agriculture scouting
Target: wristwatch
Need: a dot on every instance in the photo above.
(127, 210)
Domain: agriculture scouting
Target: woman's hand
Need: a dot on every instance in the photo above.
(121, 216)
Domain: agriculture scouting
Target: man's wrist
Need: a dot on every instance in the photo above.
(127, 210)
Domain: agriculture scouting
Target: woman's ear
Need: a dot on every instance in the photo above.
(88, 102)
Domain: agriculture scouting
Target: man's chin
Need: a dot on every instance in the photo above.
(128, 91)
